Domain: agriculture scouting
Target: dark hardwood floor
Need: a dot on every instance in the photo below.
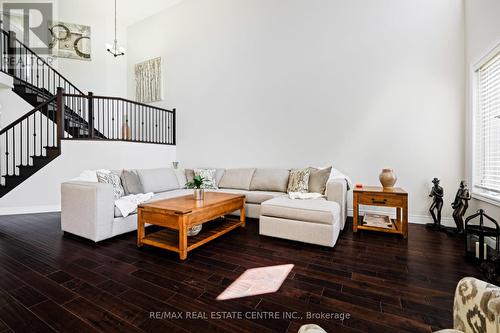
(51, 282)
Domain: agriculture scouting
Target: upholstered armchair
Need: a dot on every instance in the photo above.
(476, 308)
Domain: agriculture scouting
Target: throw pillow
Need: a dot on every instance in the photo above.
(113, 179)
(318, 179)
(131, 182)
(299, 180)
(209, 178)
(189, 175)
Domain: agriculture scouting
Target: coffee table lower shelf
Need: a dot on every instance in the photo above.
(168, 239)
(393, 230)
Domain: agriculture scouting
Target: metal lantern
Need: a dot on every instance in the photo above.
(481, 242)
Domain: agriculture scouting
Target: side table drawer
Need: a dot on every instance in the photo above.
(380, 200)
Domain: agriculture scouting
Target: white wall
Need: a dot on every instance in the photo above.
(482, 35)
(12, 106)
(104, 75)
(359, 84)
(41, 192)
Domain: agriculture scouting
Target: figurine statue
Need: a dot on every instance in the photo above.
(437, 194)
(460, 206)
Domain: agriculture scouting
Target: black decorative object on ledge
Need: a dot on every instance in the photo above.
(491, 269)
(437, 194)
(460, 206)
(479, 238)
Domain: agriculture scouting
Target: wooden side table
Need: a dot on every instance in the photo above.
(378, 196)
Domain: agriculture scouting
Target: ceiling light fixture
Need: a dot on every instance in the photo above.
(113, 48)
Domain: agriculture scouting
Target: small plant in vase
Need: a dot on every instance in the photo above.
(198, 194)
(196, 184)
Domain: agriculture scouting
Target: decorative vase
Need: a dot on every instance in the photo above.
(126, 132)
(193, 231)
(387, 178)
(175, 164)
(199, 194)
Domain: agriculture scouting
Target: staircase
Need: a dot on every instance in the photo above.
(63, 112)
(74, 124)
(28, 144)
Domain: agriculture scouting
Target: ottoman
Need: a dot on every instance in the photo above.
(310, 221)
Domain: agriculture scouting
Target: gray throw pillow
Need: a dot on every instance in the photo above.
(318, 179)
(299, 180)
(275, 180)
(131, 182)
(113, 179)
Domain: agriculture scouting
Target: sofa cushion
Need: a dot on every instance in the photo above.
(160, 196)
(270, 180)
(171, 194)
(253, 197)
(318, 179)
(158, 180)
(315, 211)
(131, 182)
(237, 178)
(299, 180)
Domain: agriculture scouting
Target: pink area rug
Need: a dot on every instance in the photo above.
(257, 281)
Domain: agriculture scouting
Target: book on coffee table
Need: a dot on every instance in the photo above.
(377, 221)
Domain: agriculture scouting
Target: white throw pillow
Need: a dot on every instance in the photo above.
(299, 180)
(113, 179)
(209, 181)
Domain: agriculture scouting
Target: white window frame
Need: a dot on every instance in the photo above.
(477, 192)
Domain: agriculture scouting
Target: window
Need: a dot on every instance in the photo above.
(486, 115)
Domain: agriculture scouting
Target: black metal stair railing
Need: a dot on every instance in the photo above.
(120, 119)
(86, 116)
(34, 139)
(28, 144)
(29, 68)
(62, 111)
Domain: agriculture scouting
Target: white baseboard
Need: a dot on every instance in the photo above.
(29, 210)
(412, 218)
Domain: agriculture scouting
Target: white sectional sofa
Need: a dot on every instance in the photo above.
(87, 208)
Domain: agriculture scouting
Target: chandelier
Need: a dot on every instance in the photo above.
(113, 48)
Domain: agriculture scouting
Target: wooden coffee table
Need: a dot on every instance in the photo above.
(177, 215)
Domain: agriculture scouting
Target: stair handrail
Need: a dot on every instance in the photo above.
(11, 37)
(121, 119)
(119, 99)
(27, 115)
(19, 142)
